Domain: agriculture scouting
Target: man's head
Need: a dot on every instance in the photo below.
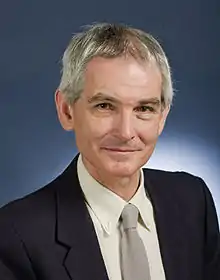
(115, 93)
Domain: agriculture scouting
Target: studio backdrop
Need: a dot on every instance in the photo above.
(33, 147)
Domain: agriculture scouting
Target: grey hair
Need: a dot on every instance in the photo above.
(110, 41)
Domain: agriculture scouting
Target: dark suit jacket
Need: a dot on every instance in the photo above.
(49, 234)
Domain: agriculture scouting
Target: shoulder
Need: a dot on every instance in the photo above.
(172, 176)
(180, 187)
(181, 191)
(27, 213)
(184, 189)
(182, 181)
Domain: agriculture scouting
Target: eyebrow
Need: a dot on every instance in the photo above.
(102, 97)
(105, 97)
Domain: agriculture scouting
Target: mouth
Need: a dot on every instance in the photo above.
(120, 150)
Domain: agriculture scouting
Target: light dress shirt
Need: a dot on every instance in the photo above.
(105, 208)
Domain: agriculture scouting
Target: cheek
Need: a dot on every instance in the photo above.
(149, 132)
(99, 127)
(92, 128)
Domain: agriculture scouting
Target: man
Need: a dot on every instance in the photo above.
(105, 217)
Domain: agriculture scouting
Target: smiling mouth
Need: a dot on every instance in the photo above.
(120, 150)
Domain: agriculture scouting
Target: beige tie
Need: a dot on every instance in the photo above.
(134, 262)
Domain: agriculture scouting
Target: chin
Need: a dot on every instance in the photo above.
(121, 169)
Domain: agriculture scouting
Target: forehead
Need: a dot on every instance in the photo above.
(123, 77)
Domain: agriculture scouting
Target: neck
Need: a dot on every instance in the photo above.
(125, 187)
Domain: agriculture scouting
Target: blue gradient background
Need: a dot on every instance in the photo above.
(34, 34)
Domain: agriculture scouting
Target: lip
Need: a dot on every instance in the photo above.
(119, 150)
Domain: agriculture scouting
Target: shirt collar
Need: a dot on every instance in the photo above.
(105, 204)
(141, 201)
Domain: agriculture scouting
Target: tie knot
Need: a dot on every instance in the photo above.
(129, 216)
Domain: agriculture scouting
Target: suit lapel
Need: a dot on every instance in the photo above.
(75, 230)
(168, 220)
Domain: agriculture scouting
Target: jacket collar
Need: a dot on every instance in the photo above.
(75, 229)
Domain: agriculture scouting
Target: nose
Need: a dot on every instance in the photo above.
(125, 126)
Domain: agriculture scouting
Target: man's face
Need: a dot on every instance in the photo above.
(118, 118)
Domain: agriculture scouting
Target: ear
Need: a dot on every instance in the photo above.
(64, 111)
(163, 118)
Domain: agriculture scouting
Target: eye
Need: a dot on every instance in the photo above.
(104, 106)
(145, 109)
